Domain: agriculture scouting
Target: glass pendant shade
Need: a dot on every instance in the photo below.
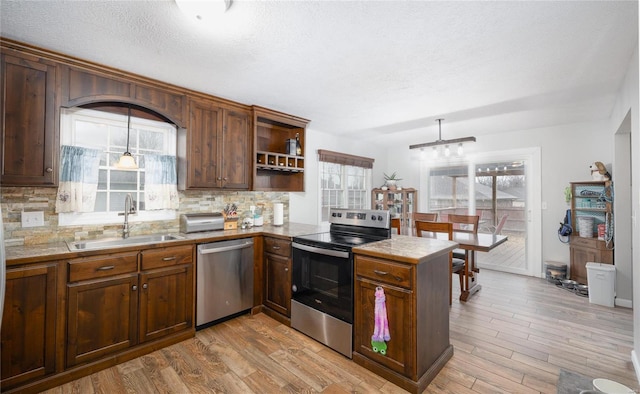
(127, 162)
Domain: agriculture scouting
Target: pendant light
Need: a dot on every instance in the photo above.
(447, 151)
(127, 162)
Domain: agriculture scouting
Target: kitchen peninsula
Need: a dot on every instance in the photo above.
(413, 273)
(416, 286)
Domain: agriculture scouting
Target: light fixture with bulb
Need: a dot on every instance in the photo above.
(446, 143)
(127, 162)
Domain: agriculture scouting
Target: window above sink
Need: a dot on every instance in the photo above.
(107, 132)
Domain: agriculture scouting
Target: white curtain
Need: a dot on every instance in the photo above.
(161, 182)
(78, 179)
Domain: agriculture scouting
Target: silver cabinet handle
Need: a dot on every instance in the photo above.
(106, 268)
(169, 258)
(286, 269)
(145, 286)
(380, 272)
(276, 248)
(134, 288)
(49, 169)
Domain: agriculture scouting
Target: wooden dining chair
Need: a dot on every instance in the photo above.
(464, 224)
(456, 265)
(423, 217)
(395, 223)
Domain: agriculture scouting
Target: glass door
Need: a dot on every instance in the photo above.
(501, 201)
(499, 187)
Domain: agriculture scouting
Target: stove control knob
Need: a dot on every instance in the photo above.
(380, 218)
(333, 214)
(294, 288)
(373, 217)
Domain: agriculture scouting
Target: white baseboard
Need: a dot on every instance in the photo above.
(624, 303)
(636, 364)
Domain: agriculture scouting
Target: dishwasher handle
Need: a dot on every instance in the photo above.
(210, 248)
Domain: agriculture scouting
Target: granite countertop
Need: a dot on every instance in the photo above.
(24, 254)
(402, 248)
(406, 249)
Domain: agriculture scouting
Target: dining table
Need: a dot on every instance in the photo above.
(472, 243)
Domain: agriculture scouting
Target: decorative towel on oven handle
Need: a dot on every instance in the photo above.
(381, 324)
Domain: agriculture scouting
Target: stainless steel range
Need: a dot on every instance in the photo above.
(322, 275)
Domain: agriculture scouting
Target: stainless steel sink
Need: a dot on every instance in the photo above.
(116, 242)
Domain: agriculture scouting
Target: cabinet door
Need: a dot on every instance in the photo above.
(29, 120)
(101, 318)
(28, 324)
(278, 283)
(202, 145)
(166, 301)
(236, 150)
(399, 354)
(579, 258)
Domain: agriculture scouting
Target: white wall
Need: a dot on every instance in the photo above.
(566, 153)
(303, 206)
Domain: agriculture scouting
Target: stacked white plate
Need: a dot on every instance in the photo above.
(585, 227)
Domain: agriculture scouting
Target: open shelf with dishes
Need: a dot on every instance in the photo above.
(401, 203)
(591, 218)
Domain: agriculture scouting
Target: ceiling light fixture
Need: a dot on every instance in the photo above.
(446, 143)
(203, 10)
(127, 162)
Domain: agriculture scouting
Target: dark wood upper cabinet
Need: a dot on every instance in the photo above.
(214, 152)
(29, 121)
(221, 144)
(81, 86)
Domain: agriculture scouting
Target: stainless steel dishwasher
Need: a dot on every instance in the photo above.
(224, 280)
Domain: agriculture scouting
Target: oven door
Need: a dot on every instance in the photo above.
(323, 279)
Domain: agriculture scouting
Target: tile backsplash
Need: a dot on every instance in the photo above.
(14, 200)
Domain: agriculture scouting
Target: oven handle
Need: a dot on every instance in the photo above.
(327, 252)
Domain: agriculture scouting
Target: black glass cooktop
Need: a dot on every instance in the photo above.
(342, 239)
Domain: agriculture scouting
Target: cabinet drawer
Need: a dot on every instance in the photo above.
(278, 246)
(166, 257)
(102, 266)
(384, 271)
(585, 242)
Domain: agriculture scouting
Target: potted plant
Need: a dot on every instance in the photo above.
(391, 180)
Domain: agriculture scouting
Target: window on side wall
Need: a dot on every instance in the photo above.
(345, 182)
(107, 132)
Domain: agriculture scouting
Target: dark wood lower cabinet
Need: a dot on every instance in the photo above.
(399, 305)
(417, 304)
(166, 301)
(101, 318)
(278, 283)
(29, 324)
(277, 278)
(584, 250)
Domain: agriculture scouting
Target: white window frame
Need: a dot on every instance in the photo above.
(68, 136)
(344, 190)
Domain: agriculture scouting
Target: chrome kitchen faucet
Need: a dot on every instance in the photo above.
(129, 208)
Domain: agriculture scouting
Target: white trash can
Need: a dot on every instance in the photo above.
(602, 281)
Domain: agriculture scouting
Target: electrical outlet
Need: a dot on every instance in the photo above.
(32, 219)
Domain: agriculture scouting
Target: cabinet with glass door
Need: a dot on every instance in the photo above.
(401, 203)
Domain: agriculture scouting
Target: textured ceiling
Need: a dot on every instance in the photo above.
(363, 68)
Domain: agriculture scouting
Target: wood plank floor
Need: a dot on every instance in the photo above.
(513, 336)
